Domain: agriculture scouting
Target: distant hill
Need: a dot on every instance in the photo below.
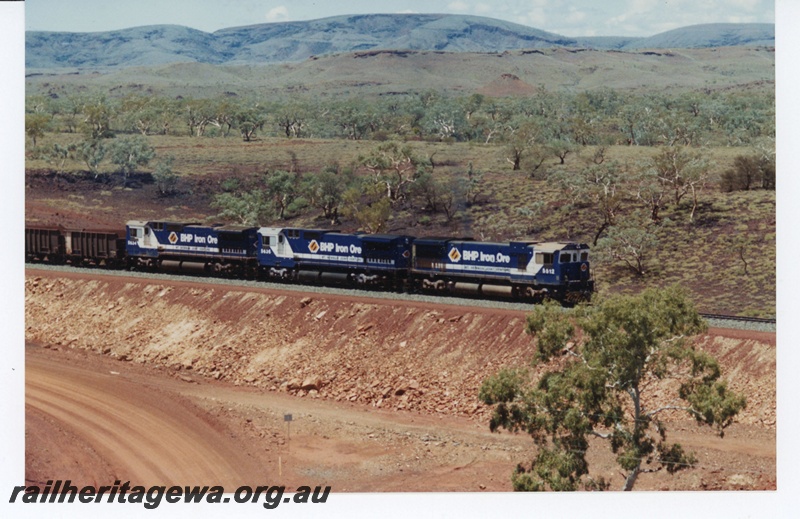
(710, 35)
(390, 73)
(297, 41)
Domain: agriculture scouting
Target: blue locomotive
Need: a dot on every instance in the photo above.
(311, 256)
(220, 249)
(522, 270)
(528, 271)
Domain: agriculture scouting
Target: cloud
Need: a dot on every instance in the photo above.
(457, 6)
(277, 14)
(534, 18)
(575, 16)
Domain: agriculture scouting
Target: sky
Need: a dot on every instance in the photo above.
(565, 17)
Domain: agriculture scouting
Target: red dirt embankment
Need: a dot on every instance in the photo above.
(388, 354)
(396, 357)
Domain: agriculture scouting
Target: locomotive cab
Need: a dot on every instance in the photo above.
(574, 265)
(573, 271)
(140, 240)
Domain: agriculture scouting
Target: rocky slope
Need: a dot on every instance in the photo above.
(397, 355)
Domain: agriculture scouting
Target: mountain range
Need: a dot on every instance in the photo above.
(298, 41)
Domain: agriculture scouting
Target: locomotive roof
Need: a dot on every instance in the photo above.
(552, 246)
(427, 240)
(235, 228)
(382, 237)
(439, 240)
(538, 246)
(275, 230)
(163, 222)
(215, 226)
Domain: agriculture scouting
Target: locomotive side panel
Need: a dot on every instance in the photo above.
(526, 270)
(317, 256)
(191, 247)
(464, 259)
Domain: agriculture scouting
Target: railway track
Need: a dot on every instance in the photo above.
(739, 318)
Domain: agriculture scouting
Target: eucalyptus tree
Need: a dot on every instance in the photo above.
(395, 166)
(165, 178)
(293, 118)
(130, 153)
(224, 115)
(35, 126)
(650, 190)
(37, 104)
(366, 203)
(598, 373)
(60, 154)
(401, 116)
(441, 194)
(683, 171)
(251, 207)
(249, 119)
(68, 109)
(198, 114)
(474, 184)
(145, 114)
(526, 138)
(97, 113)
(353, 118)
(632, 243)
(561, 147)
(749, 172)
(92, 153)
(446, 119)
(326, 189)
(599, 187)
(284, 189)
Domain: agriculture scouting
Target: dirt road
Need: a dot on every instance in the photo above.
(94, 420)
(135, 432)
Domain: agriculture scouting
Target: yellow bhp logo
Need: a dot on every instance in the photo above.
(454, 255)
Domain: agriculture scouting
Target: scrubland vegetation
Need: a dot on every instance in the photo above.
(666, 188)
